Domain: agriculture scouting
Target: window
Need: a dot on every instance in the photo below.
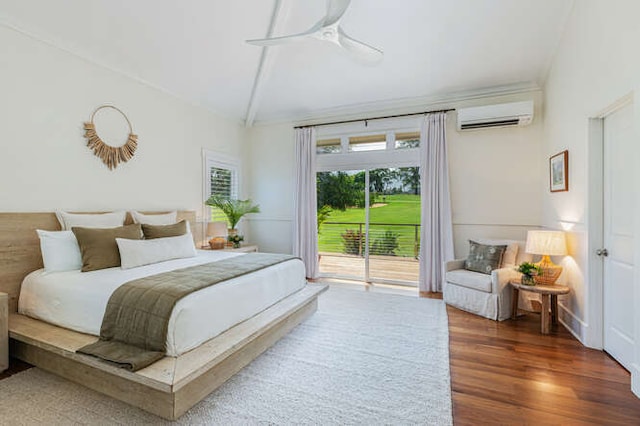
(406, 140)
(328, 146)
(355, 142)
(221, 175)
(368, 143)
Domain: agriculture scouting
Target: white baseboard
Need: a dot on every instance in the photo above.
(571, 322)
(635, 379)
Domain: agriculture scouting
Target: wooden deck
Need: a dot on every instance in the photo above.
(380, 267)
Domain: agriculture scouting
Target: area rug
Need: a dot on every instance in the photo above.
(362, 358)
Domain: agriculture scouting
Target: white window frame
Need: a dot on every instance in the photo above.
(222, 161)
(352, 160)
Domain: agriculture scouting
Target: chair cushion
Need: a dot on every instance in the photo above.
(469, 279)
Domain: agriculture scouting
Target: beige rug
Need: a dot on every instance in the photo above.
(363, 358)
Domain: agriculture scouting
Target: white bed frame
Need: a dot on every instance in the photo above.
(167, 388)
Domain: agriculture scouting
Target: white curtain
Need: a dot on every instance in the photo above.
(436, 235)
(305, 234)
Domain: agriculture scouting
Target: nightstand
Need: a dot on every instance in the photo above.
(4, 331)
(249, 248)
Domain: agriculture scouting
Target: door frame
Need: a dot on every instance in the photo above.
(594, 335)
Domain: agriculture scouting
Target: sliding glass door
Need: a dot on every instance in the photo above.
(369, 224)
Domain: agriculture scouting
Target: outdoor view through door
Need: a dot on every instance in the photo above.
(369, 224)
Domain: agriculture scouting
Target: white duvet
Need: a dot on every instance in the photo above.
(77, 300)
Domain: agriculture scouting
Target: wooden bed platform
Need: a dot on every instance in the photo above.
(167, 388)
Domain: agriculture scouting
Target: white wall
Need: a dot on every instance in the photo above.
(495, 180)
(45, 96)
(269, 176)
(596, 64)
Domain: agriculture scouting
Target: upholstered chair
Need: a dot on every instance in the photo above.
(487, 295)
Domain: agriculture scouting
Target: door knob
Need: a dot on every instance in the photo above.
(602, 252)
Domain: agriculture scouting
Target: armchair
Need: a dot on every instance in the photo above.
(482, 294)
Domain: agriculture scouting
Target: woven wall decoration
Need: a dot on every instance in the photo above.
(110, 155)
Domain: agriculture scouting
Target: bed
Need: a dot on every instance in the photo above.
(76, 300)
(213, 332)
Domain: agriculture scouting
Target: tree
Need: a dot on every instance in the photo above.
(379, 180)
(338, 190)
(322, 215)
(410, 176)
(409, 143)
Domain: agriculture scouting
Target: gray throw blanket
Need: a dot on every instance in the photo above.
(133, 334)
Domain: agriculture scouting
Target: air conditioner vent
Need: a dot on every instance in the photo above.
(498, 123)
(500, 115)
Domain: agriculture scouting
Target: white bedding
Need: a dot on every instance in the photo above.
(77, 300)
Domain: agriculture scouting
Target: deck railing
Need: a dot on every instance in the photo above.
(385, 239)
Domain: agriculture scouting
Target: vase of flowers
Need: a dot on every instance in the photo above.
(235, 240)
(529, 271)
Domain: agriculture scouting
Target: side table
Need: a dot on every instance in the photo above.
(249, 248)
(549, 295)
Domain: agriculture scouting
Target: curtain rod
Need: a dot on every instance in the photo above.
(373, 118)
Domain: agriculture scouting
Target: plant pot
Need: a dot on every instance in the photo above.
(527, 280)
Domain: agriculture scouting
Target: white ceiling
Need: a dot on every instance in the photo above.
(195, 48)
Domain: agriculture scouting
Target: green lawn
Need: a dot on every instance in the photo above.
(395, 209)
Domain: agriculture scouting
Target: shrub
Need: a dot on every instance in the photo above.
(386, 245)
(352, 242)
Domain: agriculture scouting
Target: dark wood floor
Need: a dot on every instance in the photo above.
(508, 373)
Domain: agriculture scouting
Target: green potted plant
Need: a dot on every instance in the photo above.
(233, 209)
(529, 271)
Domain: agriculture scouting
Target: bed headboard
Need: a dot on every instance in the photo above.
(20, 246)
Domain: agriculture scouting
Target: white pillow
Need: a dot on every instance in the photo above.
(145, 252)
(155, 219)
(60, 251)
(101, 220)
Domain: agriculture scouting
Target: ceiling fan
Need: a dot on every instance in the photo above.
(329, 29)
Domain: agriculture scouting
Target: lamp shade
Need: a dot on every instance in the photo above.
(217, 229)
(552, 243)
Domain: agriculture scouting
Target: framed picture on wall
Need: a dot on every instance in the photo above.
(559, 172)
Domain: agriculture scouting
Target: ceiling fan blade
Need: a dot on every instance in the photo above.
(279, 40)
(335, 10)
(358, 49)
(274, 41)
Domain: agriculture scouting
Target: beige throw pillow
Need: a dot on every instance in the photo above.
(163, 231)
(99, 248)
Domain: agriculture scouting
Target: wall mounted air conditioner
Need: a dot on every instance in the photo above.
(499, 115)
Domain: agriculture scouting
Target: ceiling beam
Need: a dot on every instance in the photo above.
(267, 58)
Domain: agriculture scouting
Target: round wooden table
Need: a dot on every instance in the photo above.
(549, 295)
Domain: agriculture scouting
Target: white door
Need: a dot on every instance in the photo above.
(618, 235)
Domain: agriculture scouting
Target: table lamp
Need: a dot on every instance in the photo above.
(218, 233)
(547, 243)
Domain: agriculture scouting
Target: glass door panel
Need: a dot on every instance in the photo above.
(394, 225)
(342, 223)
